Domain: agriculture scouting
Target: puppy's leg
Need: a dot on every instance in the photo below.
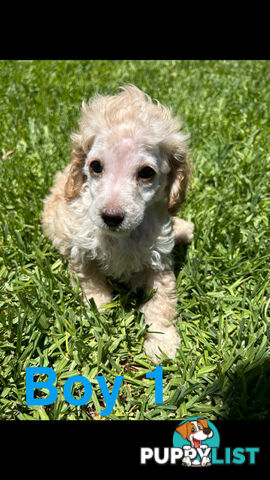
(92, 282)
(160, 314)
(183, 230)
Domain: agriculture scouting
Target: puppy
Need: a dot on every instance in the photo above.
(196, 431)
(110, 212)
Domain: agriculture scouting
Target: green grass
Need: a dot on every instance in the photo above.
(222, 369)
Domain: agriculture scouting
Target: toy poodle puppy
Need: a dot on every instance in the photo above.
(110, 213)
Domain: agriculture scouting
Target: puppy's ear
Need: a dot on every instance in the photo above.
(76, 177)
(178, 178)
(183, 429)
(203, 422)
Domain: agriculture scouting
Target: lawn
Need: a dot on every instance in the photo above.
(222, 369)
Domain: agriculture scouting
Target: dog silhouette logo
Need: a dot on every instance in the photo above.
(196, 436)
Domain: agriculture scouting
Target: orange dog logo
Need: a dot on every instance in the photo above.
(195, 432)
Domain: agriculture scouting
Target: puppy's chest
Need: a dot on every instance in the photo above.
(121, 258)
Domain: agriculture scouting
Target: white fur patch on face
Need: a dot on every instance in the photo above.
(118, 187)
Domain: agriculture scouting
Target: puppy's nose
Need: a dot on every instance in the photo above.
(112, 218)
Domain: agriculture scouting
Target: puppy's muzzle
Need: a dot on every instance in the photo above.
(113, 218)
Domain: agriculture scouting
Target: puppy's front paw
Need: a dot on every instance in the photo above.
(183, 230)
(167, 341)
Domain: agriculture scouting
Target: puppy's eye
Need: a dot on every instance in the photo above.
(96, 167)
(146, 173)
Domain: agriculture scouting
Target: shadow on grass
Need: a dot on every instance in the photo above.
(247, 394)
(179, 254)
